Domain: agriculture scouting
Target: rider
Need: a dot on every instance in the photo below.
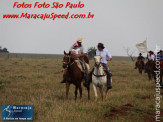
(105, 57)
(80, 46)
(151, 56)
(140, 57)
(77, 48)
(76, 51)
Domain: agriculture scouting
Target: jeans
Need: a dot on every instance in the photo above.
(108, 73)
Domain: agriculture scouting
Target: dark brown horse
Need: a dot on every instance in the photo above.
(73, 74)
(140, 66)
(150, 66)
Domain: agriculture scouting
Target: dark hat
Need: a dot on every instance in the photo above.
(140, 54)
(150, 51)
(101, 45)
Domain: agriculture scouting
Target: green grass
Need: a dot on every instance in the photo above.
(37, 82)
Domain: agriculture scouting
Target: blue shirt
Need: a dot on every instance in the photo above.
(160, 56)
(104, 55)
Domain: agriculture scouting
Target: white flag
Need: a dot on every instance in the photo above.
(142, 47)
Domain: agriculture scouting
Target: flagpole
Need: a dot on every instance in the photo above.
(147, 47)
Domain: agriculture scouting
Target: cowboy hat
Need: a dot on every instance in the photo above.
(150, 51)
(101, 45)
(79, 40)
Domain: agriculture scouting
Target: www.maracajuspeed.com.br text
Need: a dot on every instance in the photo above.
(52, 16)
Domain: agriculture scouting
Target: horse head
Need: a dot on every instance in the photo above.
(97, 59)
(66, 59)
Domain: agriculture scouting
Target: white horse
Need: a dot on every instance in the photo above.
(99, 77)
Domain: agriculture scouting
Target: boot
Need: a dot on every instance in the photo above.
(109, 83)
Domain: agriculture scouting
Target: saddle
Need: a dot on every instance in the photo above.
(82, 67)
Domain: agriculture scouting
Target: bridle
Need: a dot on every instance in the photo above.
(69, 62)
(97, 66)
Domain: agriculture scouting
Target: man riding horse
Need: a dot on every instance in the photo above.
(105, 57)
(141, 58)
(151, 58)
(150, 64)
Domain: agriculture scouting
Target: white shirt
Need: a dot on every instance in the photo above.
(81, 48)
(151, 57)
(76, 51)
(104, 54)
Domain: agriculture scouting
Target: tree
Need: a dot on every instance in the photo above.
(4, 50)
(130, 53)
(91, 52)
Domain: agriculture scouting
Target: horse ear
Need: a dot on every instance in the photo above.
(69, 52)
(64, 52)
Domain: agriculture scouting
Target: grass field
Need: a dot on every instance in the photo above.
(37, 82)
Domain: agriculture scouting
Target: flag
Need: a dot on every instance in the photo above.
(142, 47)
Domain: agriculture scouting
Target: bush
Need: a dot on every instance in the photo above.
(91, 52)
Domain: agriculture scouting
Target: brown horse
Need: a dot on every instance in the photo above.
(150, 66)
(73, 74)
(139, 64)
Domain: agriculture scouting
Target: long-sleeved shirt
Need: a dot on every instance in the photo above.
(105, 54)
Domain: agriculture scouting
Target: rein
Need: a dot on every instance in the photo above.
(99, 75)
(68, 64)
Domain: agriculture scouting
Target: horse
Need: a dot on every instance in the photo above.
(73, 74)
(99, 77)
(140, 66)
(150, 66)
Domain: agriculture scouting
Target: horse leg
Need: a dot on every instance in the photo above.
(149, 76)
(106, 96)
(141, 71)
(88, 89)
(95, 91)
(76, 92)
(67, 89)
(80, 90)
(101, 91)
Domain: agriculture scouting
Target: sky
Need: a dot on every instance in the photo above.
(119, 24)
